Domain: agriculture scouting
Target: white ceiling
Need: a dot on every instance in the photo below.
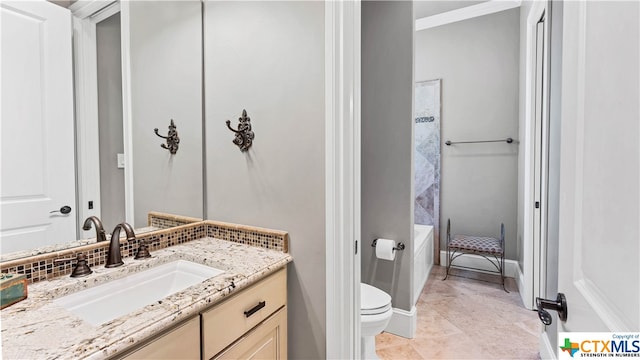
(424, 8)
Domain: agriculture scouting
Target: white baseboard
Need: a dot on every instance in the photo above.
(546, 350)
(403, 323)
(481, 264)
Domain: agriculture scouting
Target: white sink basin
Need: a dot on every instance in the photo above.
(111, 300)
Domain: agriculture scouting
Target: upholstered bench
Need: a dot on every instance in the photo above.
(489, 248)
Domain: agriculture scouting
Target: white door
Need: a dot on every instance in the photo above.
(599, 236)
(36, 126)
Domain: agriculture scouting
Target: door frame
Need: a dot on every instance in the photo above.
(541, 169)
(342, 178)
(86, 14)
(531, 273)
(529, 281)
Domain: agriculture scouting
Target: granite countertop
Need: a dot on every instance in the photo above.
(38, 328)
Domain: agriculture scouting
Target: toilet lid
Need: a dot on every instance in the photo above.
(373, 300)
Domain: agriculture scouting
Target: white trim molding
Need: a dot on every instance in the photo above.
(83, 9)
(403, 323)
(523, 289)
(481, 264)
(531, 271)
(86, 14)
(342, 178)
(546, 350)
(127, 117)
(469, 12)
(86, 106)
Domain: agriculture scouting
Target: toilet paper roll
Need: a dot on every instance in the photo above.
(384, 249)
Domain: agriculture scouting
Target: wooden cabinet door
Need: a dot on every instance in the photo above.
(267, 341)
(180, 343)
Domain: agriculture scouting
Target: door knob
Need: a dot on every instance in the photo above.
(64, 210)
(559, 305)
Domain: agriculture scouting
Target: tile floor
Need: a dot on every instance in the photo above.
(468, 316)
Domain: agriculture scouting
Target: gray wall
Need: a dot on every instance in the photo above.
(166, 83)
(387, 144)
(110, 121)
(477, 60)
(268, 58)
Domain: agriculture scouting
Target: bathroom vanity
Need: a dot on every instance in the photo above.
(250, 324)
(240, 313)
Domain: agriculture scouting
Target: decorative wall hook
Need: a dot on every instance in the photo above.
(172, 139)
(244, 135)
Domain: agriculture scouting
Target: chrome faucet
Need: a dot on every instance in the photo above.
(100, 235)
(114, 258)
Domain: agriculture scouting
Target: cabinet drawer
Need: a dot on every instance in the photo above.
(226, 322)
(267, 341)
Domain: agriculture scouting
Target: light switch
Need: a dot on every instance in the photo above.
(120, 161)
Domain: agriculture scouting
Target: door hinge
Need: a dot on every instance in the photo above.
(537, 204)
(356, 247)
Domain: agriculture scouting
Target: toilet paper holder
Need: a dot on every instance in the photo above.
(399, 246)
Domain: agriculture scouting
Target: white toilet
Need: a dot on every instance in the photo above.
(375, 313)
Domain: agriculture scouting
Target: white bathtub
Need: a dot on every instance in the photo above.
(422, 257)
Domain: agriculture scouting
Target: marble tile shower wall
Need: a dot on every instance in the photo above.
(43, 267)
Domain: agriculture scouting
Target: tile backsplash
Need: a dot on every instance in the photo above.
(165, 221)
(43, 267)
(249, 235)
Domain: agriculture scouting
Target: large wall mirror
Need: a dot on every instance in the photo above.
(137, 66)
